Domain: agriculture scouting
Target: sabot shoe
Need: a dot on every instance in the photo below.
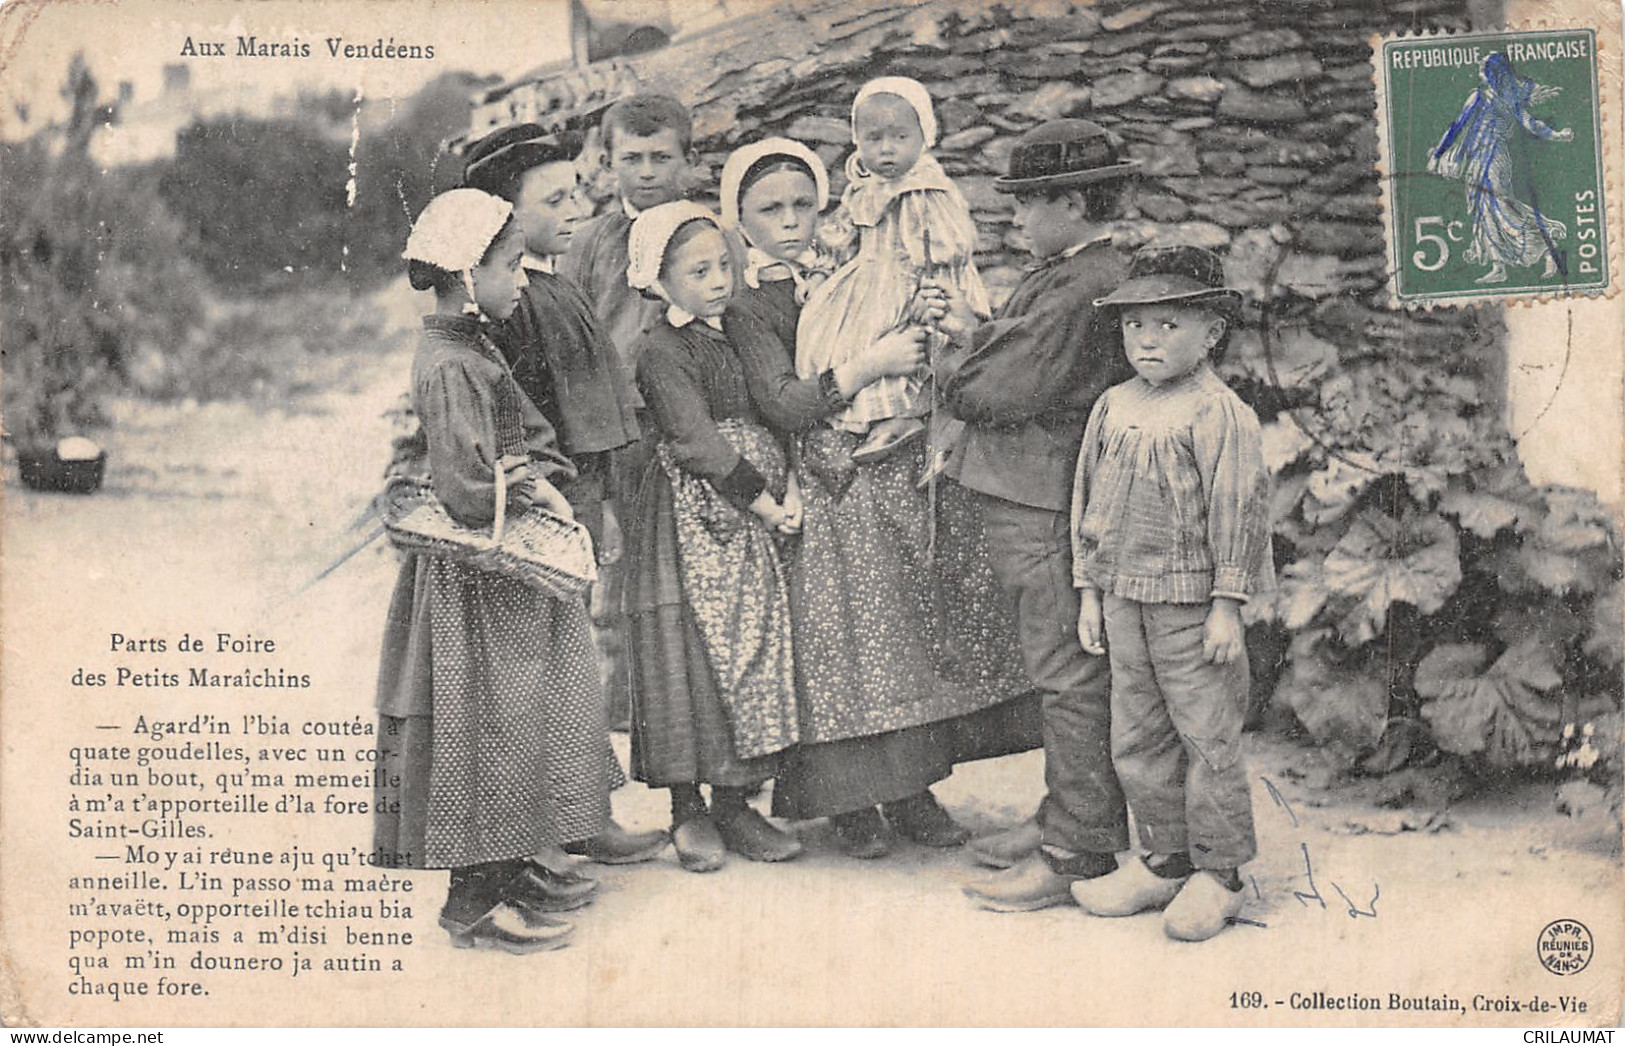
(1203, 908)
(750, 835)
(921, 818)
(562, 884)
(1008, 848)
(1028, 886)
(529, 891)
(699, 845)
(1132, 889)
(615, 845)
(508, 928)
(862, 834)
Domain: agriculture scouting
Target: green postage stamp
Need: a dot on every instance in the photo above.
(1493, 165)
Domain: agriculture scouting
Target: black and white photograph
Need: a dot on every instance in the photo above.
(808, 513)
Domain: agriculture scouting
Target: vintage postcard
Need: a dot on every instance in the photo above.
(811, 512)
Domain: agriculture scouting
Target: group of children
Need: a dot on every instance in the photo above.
(656, 369)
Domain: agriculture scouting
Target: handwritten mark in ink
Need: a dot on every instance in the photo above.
(1309, 873)
(1280, 800)
(1355, 911)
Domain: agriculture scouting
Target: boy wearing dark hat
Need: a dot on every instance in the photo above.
(1171, 534)
(553, 340)
(561, 358)
(1023, 383)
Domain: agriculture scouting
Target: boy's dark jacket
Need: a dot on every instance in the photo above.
(568, 367)
(1026, 382)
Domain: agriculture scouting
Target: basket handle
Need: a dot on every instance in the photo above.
(501, 518)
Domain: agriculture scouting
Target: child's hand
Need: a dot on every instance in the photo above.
(1091, 622)
(954, 317)
(929, 305)
(1224, 637)
(768, 510)
(519, 481)
(545, 495)
(792, 507)
(900, 352)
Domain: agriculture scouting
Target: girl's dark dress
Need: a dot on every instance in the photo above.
(491, 718)
(904, 667)
(683, 728)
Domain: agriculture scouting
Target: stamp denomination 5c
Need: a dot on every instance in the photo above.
(1493, 165)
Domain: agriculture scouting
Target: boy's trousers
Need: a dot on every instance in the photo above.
(1176, 733)
(1031, 550)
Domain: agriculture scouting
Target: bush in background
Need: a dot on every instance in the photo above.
(261, 200)
(231, 270)
(92, 268)
(273, 204)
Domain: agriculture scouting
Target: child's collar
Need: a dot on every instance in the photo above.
(762, 267)
(537, 263)
(868, 195)
(1098, 239)
(680, 317)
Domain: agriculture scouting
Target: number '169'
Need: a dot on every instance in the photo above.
(1432, 249)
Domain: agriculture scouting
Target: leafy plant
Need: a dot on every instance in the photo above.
(1440, 606)
(91, 271)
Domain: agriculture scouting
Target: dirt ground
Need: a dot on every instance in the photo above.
(212, 518)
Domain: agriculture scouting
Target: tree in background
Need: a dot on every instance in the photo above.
(400, 164)
(92, 268)
(268, 203)
(260, 199)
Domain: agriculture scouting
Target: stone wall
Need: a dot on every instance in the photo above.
(1255, 125)
(1255, 122)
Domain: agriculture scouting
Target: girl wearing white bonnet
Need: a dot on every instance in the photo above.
(883, 714)
(488, 693)
(713, 683)
(913, 225)
(773, 194)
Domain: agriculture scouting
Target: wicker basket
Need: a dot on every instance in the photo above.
(540, 549)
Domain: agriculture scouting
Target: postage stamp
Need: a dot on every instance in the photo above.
(1493, 165)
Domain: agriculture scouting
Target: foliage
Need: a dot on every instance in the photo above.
(92, 270)
(1440, 605)
(275, 204)
(261, 198)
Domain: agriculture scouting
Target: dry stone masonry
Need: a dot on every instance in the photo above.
(1255, 121)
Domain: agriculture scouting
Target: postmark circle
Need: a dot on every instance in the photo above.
(1565, 947)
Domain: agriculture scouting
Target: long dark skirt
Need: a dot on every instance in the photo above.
(905, 651)
(822, 780)
(680, 730)
(492, 735)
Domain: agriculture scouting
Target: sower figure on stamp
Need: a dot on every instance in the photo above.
(1024, 383)
(1481, 149)
(566, 365)
(1171, 534)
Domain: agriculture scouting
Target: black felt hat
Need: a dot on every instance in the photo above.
(1060, 154)
(1187, 275)
(505, 154)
